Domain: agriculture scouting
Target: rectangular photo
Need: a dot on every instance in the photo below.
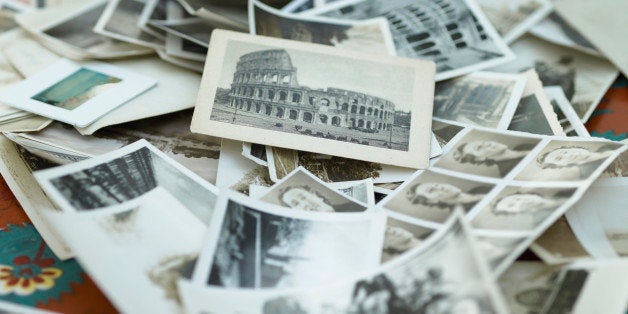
(427, 278)
(75, 93)
(195, 30)
(402, 236)
(480, 99)
(126, 175)
(301, 190)
(454, 34)
(367, 36)
(272, 91)
(252, 244)
(361, 191)
(120, 21)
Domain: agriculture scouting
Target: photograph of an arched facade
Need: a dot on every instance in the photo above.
(316, 98)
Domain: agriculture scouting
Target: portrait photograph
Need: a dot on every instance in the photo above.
(485, 153)
(568, 160)
(521, 208)
(402, 236)
(301, 190)
(432, 196)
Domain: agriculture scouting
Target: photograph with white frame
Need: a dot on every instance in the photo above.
(119, 21)
(228, 107)
(76, 93)
(463, 40)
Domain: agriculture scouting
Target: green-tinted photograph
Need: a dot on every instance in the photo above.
(76, 89)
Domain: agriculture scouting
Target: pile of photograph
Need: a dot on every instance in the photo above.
(313, 156)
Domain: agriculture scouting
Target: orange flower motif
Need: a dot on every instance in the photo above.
(26, 280)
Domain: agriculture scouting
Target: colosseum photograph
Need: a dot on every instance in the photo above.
(277, 92)
(265, 91)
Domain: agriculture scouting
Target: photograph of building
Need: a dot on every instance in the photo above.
(444, 31)
(265, 92)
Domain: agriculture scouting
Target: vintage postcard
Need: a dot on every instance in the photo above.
(330, 168)
(368, 36)
(377, 108)
(584, 78)
(500, 180)
(600, 228)
(77, 94)
(534, 112)
(424, 279)
(303, 191)
(601, 32)
(255, 152)
(533, 287)
(119, 21)
(566, 115)
(238, 173)
(555, 30)
(169, 133)
(513, 18)
(153, 260)
(480, 99)
(253, 244)
(68, 30)
(195, 30)
(455, 34)
(16, 167)
(125, 176)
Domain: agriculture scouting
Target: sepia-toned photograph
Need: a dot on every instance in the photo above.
(462, 40)
(480, 99)
(125, 175)
(271, 91)
(369, 36)
(119, 21)
(401, 237)
(258, 245)
(513, 18)
(301, 190)
(569, 160)
(521, 208)
(433, 196)
(488, 154)
(584, 78)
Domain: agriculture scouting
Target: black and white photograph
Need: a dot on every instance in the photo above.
(195, 30)
(426, 279)
(361, 190)
(120, 21)
(521, 208)
(584, 78)
(125, 175)
(402, 236)
(124, 250)
(330, 168)
(432, 196)
(487, 153)
(272, 91)
(445, 131)
(301, 190)
(562, 160)
(513, 18)
(75, 29)
(238, 173)
(454, 34)
(259, 245)
(479, 99)
(368, 36)
(530, 118)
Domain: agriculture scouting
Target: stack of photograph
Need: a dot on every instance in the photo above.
(313, 156)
